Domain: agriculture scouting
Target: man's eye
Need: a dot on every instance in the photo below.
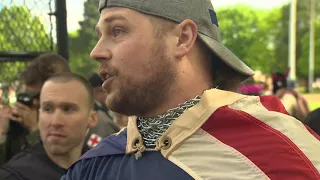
(68, 109)
(47, 109)
(117, 32)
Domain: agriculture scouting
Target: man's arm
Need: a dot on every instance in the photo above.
(6, 175)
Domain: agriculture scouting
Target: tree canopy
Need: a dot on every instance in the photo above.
(20, 32)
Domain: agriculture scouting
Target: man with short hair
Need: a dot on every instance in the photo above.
(23, 128)
(65, 116)
(163, 64)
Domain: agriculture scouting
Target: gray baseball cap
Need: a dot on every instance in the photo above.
(200, 11)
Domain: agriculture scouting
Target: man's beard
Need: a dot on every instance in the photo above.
(141, 97)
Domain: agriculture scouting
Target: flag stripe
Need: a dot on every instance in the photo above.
(305, 139)
(205, 157)
(273, 103)
(270, 150)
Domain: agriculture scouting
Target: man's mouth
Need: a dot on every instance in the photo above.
(57, 135)
(104, 75)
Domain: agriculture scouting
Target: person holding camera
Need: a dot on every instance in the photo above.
(65, 116)
(19, 125)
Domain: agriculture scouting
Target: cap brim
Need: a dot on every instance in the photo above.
(227, 56)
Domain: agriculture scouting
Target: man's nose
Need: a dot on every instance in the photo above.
(57, 119)
(101, 52)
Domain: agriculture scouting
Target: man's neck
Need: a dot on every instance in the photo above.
(66, 160)
(192, 81)
(179, 96)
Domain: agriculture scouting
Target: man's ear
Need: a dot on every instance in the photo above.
(187, 32)
(93, 119)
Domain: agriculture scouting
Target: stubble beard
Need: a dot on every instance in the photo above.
(139, 98)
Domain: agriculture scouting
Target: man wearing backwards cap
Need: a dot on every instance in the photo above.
(163, 64)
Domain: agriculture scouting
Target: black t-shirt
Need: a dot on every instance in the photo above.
(31, 164)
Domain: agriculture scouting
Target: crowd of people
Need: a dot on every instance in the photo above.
(168, 102)
(281, 87)
(55, 105)
(286, 90)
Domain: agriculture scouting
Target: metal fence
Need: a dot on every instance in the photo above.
(29, 28)
(26, 29)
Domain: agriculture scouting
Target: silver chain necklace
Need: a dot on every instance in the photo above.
(152, 128)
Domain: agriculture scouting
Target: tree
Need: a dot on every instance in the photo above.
(248, 34)
(260, 38)
(20, 32)
(281, 40)
(83, 41)
(262, 51)
(303, 63)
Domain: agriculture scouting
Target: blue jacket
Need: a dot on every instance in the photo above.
(108, 162)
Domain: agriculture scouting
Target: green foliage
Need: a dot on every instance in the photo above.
(282, 37)
(314, 105)
(10, 71)
(83, 41)
(80, 61)
(260, 38)
(304, 60)
(239, 25)
(20, 32)
(248, 34)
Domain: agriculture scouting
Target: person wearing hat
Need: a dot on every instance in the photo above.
(163, 64)
(105, 126)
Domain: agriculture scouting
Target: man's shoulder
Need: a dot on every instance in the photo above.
(7, 175)
(33, 163)
(28, 153)
(111, 145)
(21, 162)
(25, 158)
(263, 109)
(108, 147)
(258, 130)
(254, 115)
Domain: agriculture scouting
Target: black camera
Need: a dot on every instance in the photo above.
(27, 98)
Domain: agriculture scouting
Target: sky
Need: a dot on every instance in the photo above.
(75, 8)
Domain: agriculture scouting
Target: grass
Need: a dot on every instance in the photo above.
(314, 105)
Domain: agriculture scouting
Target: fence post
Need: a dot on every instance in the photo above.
(62, 31)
